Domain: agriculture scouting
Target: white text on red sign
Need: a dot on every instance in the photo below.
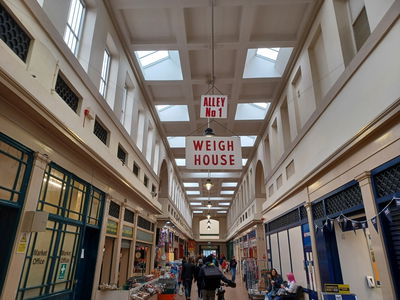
(213, 153)
(214, 106)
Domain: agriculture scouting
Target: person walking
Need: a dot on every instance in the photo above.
(232, 266)
(188, 269)
(210, 277)
(196, 277)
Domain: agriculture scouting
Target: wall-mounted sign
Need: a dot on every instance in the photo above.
(214, 106)
(213, 153)
(127, 231)
(112, 227)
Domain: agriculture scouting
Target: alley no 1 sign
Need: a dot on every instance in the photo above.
(213, 153)
(214, 106)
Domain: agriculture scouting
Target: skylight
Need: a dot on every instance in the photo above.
(160, 64)
(251, 111)
(227, 192)
(197, 211)
(247, 140)
(176, 141)
(193, 192)
(229, 184)
(244, 161)
(221, 212)
(173, 113)
(268, 53)
(195, 203)
(191, 184)
(224, 203)
(266, 62)
(181, 162)
(211, 198)
(212, 174)
(148, 58)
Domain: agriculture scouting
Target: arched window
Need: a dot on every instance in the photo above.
(209, 229)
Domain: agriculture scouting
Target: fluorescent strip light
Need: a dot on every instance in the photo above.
(227, 192)
(191, 184)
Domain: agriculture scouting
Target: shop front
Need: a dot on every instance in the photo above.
(142, 259)
(60, 261)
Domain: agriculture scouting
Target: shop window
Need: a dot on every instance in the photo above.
(63, 89)
(52, 256)
(13, 35)
(100, 131)
(14, 163)
(121, 154)
(96, 199)
(143, 223)
(51, 269)
(129, 216)
(142, 258)
(62, 195)
(114, 210)
(136, 169)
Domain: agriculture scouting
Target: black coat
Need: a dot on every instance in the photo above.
(211, 284)
(187, 271)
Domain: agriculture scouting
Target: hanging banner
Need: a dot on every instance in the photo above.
(214, 106)
(213, 153)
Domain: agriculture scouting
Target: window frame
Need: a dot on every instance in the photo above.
(105, 70)
(76, 35)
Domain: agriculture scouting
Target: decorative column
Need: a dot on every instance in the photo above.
(310, 218)
(377, 239)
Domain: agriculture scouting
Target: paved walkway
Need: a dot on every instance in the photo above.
(238, 293)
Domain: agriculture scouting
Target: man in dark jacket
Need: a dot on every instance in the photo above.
(210, 283)
(196, 276)
(188, 269)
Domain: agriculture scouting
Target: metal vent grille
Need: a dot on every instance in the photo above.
(286, 220)
(129, 216)
(387, 182)
(136, 169)
(143, 223)
(100, 132)
(66, 93)
(121, 154)
(344, 200)
(303, 213)
(318, 210)
(13, 35)
(114, 210)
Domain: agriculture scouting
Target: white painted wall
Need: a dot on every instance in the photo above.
(356, 263)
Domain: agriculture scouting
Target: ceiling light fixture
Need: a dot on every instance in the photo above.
(208, 227)
(208, 185)
(208, 216)
(209, 204)
(209, 132)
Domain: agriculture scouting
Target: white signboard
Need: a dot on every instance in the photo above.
(213, 152)
(214, 106)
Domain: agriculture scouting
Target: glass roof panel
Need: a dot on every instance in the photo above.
(180, 162)
(176, 141)
(247, 140)
(193, 192)
(173, 113)
(268, 53)
(251, 111)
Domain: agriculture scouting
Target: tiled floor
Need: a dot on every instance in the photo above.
(238, 293)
